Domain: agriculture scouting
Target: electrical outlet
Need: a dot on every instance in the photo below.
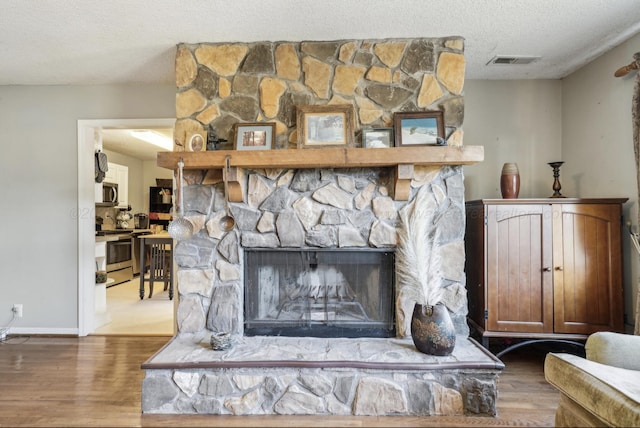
(17, 309)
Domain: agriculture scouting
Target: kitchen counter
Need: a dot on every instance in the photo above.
(163, 234)
(107, 238)
(113, 236)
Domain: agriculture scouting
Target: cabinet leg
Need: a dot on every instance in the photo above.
(529, 342)
(485, 342)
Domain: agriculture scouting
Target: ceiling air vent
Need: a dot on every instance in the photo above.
(513, 59)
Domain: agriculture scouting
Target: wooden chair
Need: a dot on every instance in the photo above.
(159, 253)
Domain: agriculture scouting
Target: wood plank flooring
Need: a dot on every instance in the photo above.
(95, 381)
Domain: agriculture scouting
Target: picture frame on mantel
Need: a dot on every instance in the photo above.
(325, 126)
(254, 136)
(375, 138)
(424, 128)
(196, 141)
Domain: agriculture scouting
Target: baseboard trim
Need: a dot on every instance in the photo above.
(37, 331)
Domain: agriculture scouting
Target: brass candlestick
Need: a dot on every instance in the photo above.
(556, 179)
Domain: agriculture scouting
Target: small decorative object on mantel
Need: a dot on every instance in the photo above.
(510, 181)
(212, 139)
(419, 278)
(197, 141)
(556, 179)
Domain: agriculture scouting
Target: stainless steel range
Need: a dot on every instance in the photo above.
(119, 255)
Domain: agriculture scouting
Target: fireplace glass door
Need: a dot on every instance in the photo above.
(319, 293)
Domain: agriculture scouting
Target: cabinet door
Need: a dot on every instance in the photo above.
(111, 176)
(519, 287)
(123, 186)
(587, 268)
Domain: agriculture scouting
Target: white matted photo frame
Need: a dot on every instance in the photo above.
(373, 138)
(325, 126)
(196, 141)
(254, 136)
(424, 128)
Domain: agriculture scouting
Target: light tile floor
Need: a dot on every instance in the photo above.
(132, 316)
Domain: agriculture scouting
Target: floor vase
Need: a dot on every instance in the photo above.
(432, 330)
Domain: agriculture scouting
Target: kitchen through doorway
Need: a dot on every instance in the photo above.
(126, 313)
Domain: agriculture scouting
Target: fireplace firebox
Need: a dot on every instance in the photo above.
(319, 293)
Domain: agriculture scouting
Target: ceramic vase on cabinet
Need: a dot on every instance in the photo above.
(432, 329)
(510, 181)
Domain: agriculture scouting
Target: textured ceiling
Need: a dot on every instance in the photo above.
(125, 41)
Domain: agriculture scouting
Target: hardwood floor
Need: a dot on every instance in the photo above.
(95, 381)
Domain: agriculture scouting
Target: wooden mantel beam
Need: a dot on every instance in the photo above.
(325, 158)
(402, 159)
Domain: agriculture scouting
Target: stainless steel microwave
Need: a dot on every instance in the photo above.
(109, 195)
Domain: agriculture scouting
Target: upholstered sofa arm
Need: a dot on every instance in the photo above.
(614, 349)
(593, 394)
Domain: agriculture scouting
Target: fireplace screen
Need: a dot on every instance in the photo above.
(319, 293)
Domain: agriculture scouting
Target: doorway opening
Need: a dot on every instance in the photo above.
(89, 295)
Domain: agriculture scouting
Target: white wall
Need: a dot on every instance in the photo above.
(39, 191)
(516, 121)
(597, 143)
(583, 120)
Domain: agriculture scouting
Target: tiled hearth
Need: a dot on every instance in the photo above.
(309, 209)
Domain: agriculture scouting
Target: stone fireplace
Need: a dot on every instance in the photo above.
(329, 232)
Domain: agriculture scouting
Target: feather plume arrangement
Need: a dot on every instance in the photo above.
(417, 263)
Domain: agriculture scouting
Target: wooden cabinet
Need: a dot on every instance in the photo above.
(544, 268)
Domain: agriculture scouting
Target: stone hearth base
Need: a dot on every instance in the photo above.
(302, 376)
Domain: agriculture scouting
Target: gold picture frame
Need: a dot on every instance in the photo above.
(325, 126)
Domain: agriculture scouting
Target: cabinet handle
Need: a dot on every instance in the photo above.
(559, 268)
(547, 269)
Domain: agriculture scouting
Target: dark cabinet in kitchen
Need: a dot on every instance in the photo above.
(160, 204)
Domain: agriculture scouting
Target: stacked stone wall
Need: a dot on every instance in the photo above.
(314, 208)
(223, 84)
(292, 391)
